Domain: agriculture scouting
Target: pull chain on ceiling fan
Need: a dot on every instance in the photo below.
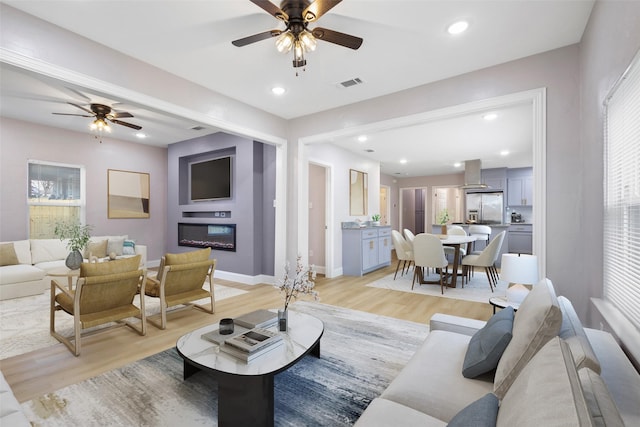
(296, 37)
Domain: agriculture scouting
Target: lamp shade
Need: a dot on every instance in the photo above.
(521, 269)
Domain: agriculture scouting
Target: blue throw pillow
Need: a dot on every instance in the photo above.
(481, 413)
(487, 345)
(129, 247)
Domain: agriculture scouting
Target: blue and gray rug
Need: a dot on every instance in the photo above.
(360, 354)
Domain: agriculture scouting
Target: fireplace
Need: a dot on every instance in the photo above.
(215, 236)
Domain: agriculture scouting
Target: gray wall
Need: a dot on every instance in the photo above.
(253, 190)
(22, 141)
(608, 45)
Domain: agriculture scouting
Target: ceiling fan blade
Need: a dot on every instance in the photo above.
(120, 115)
(318, 8)
(129, 125)
(271, 9)
(69, 114)
(82, 108)
(336, 37)
(256, 38)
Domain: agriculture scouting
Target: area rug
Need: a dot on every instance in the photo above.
(360, 354)
(476, 290)
(24, 322)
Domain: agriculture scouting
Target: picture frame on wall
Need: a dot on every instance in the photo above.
(128, 194)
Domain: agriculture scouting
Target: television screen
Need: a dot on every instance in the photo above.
(211, 179)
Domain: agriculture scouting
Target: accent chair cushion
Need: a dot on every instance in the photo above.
(88, 269)
(547, 392)
(481, 413)
(537, 321)
(8, 255)
(488, 344)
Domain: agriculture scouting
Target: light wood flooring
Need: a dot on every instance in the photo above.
(42, 371)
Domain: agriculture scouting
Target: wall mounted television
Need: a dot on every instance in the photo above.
(211, 179)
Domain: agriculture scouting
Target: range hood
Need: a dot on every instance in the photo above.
(473, 175)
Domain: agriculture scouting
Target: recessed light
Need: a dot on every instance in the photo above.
(504, 153)
(490, 116)
(362, 138)
(141, 135)
(457, 164)
(277, 90)
(403, 161)
(458, 27)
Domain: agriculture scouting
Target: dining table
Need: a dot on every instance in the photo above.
(455, 241)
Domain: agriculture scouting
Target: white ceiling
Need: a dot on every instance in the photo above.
(405, 45)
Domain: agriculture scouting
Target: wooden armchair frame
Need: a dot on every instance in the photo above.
(180, 284)
(98, 300)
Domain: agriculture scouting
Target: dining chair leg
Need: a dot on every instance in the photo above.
(486, 269)
(397, 267)
(413, 281)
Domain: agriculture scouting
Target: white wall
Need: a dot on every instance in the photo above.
(341, 161)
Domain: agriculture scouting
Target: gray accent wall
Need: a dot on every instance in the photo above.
(253, 189)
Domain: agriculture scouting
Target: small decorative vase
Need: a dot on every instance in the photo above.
(444, 229)
(283, 318)
(74, 260)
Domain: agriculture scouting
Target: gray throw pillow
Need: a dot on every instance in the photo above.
(488, 344)
(483, 412)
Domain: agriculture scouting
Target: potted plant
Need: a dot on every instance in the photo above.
(443, 218)
(376, 219)
(78, 236)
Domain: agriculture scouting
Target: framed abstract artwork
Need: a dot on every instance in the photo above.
(127, 194)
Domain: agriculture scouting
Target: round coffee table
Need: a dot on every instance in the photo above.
(64, 272)
(245, 390)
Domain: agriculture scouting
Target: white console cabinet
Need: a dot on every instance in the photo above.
(365, 249)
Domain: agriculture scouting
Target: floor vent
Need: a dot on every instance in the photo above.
(352, 82)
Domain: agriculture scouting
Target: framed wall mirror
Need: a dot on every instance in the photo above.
(127, 194)
(357, 193)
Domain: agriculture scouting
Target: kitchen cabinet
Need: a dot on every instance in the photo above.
(520, 187)
(365, 250)
(521, 238)
(495, 178)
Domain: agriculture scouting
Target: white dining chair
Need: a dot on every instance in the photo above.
(456, 230)
(428, 253)
(487, 259)
(403, 252)
(481, 232)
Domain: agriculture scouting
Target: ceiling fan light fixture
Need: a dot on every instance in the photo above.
(284, 42)
(298, 55)
(100, 125)
(308, 41)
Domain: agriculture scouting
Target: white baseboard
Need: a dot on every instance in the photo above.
(243, 278)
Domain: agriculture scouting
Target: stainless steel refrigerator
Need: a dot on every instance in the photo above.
(485, 208)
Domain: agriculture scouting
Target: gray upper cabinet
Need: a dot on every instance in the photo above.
(495, 178)
(520, 187)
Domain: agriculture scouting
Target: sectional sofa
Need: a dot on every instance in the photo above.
(24, 264)
(536, 367)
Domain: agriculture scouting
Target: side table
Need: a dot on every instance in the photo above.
(64, 272)
(501, 302)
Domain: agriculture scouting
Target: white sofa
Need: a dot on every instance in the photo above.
(10, 410)
(36, 257)
(553, 372)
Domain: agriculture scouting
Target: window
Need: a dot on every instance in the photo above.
(55, 193)
(622, 195)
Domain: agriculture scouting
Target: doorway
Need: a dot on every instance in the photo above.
(385, 201)
(318, 217)
(413, 209)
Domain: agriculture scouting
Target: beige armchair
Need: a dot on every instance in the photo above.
(180, 282)
(104, 293)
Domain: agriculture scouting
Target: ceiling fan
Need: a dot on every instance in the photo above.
(102, 113)
(297, 14)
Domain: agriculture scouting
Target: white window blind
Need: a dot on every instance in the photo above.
(622, 195)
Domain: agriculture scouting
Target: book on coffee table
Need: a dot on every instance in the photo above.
(246, 356)
(257, 319)
(217, 338)
(254, 340)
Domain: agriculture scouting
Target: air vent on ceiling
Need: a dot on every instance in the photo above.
(198, 128)
(352, 82)
(370, 150)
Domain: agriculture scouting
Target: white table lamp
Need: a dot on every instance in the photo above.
(519, 270)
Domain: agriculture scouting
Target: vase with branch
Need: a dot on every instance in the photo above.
(293, 285)
(77, 236)
(443, 218)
